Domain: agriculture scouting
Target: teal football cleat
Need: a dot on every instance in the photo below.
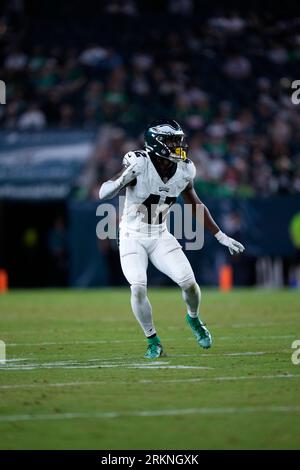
(154, 349)
(201, 333)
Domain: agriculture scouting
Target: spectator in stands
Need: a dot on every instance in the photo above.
(33, 118)
(228, 82)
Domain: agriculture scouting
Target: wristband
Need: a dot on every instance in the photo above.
(219, 235)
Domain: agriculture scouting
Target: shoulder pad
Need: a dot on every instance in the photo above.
(190, 169)
(140, 153)
(135, 159)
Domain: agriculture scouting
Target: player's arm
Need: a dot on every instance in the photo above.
(190, 197)
(113, 186)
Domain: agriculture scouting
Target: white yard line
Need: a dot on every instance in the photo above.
(153, 366)
(225, 378)
(54, 385)
(105, 366)
(97, 363)
(14, 364)
(149, 413)
(123, 382)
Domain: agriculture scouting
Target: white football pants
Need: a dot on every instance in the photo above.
(166, 255)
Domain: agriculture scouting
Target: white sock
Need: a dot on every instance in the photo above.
(142, 309)
(192, 298)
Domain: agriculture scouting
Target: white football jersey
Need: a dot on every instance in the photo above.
(147, 202)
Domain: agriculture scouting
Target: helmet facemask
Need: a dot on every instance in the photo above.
(177, 146)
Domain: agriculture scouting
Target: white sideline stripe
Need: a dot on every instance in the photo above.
(224, 379)
(78, 365)
(118, 341)
(149, 413)
(97, 363)
(100, 362)
(107, 363)
(110, 362)
(123, 382)
(136, 366)
(168, 367)
(54, 385)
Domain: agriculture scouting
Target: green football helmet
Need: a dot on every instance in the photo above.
(166, 139)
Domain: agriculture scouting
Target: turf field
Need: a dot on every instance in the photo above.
(75, 376)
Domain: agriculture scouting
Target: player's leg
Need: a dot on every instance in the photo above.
(169, 258)
(134, 262)
(192, 297)
(191, 294)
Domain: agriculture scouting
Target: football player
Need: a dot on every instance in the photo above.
(154, 177)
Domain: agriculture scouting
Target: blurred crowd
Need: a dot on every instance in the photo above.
(225, 78)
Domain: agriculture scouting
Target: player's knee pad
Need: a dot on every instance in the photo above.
(188, 283)
(192, 297)
(139, 292)
(193, 289)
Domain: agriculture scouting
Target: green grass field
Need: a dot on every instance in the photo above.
(75, 376)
